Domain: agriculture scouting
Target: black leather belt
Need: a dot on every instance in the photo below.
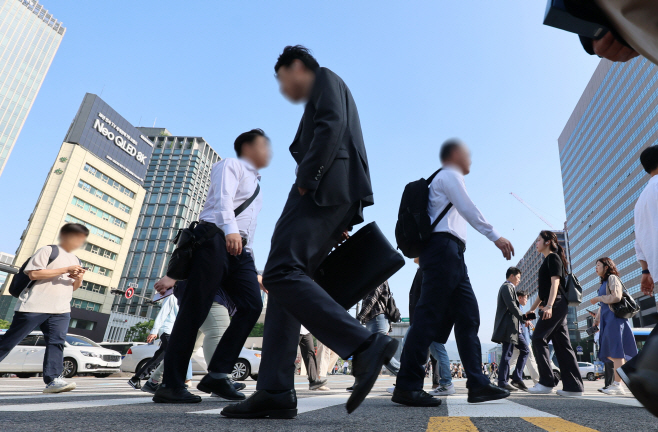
(452, 237)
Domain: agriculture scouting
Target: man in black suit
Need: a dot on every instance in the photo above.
(331, 189)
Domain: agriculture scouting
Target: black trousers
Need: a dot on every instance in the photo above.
(446, 300)
(308, 355)
(555, 329)
(630, 366)
(153, 362)
(213, 267)
(506, 356)
(303, 237)
(609, 373)
(435, 372)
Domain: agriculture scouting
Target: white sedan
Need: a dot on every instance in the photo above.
(247, 364)
(81, 355)
(589, 371)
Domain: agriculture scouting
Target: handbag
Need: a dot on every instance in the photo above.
(627, 307)
(358, 266)
(186, 241)
(392, 312)
(574, 291)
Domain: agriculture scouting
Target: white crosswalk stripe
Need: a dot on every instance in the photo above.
(459, 407)
(50, 406)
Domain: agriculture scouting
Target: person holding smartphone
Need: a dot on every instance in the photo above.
(552, 325)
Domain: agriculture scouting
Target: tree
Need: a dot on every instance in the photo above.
(257, 331)
(4, 324)
(139, 332)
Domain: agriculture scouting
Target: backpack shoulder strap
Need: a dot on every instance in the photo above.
(54, 253)
(445, 210)
(247, 203)
(430, 178)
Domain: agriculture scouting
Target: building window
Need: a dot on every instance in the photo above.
(93, 287)
(116, 185)
(86, 305)
(102, 195)
(100, 251)
(82, 324)
(97, 212)
(103, 271)
(94, 229)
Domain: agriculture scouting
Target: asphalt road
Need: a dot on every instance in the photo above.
(110, 405)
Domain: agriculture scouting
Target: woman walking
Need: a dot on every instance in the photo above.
(552, 325)
(616, 340)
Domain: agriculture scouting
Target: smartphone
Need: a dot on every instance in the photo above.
(590, 331)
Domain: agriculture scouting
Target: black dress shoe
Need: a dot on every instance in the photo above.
(172, 396)
(414, 398)
(316, 384)
(487, 393)
(223, 387)
(265, 404)
(239, 386)
(507, 386)
(519, 385)
(366, 366)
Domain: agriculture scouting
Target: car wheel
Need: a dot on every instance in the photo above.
(241, 370)
(591, 376)
(70, 368)
(254, 377)
(25, 375)
(103, 375)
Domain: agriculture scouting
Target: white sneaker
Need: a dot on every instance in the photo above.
(58, 385)
(601, 389)
(443, 391)
(614, 389)
(569, 393)
(540, 389)
(391, 389)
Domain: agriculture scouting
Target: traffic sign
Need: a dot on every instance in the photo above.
(130, 292)
(579, 349)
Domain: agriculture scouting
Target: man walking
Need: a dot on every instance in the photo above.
(224, 260)
(507, 330)
(447, 298)
(530, 363)
(54, 272)
(307, 350)
(331, 189)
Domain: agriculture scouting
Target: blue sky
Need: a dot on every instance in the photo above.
(420, 72)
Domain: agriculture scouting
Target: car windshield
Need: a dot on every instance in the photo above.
(80, 341)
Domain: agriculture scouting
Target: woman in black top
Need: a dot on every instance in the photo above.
(552, 324)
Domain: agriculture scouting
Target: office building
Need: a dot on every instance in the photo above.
(614, 120)
(6, 261)
(97, 181)
(529, 266)
(29, 39)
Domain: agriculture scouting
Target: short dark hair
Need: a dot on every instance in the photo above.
(448, 147)
(247, 137)
(522, 293)
(512, 271)
(296, 52)
(73, 228)
(649, 158)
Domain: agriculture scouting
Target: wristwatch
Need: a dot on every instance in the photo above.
(646, 271)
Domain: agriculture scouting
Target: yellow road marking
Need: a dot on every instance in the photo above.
(556, 424)
(451, 424)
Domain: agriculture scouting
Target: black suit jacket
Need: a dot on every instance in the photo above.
(508, 316)
(328, 146)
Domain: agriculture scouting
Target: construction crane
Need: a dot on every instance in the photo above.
(531, 209)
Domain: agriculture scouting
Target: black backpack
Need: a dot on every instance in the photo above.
(392, 312)
(414, 228)
(21, 281)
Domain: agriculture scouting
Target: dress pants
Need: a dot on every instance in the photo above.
(54, 328)
(506, 356)
(326, 360)
(308, 355)
(609, 373)
(555, 329)
(531, 364)
(446, 300)
(154, 362)
(303, 237)
(212, 268)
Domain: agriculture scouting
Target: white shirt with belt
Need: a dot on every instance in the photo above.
(448, 187)
(646, 227)
(232, 182)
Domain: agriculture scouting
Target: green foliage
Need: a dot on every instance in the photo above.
(257, 331)
(139, 332)
(4, 324)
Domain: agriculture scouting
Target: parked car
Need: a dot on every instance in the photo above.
(247, 364)
(589, 371)
(122, 347)
(81, 355)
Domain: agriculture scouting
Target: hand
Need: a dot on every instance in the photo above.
(527, 324)
(78, 275)
(548, 313)
(506, 247)
(71, 270)
(646, 283)
(302, 191)
(610, 48)
(164, 284)
(260, 282)
(151, 338)
(234, 244)
(344, 236)
(594, 300)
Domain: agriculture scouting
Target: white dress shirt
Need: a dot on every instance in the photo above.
(232, 182)
(448, 187)
(646, 227)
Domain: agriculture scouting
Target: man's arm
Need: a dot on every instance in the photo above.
(226, 178)
(330, 123)
(36, 268)
(455, 190)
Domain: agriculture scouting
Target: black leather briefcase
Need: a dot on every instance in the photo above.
(358, 266)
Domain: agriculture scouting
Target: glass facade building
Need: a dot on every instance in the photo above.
(177, 182)
(29, 39)
(614, 120)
